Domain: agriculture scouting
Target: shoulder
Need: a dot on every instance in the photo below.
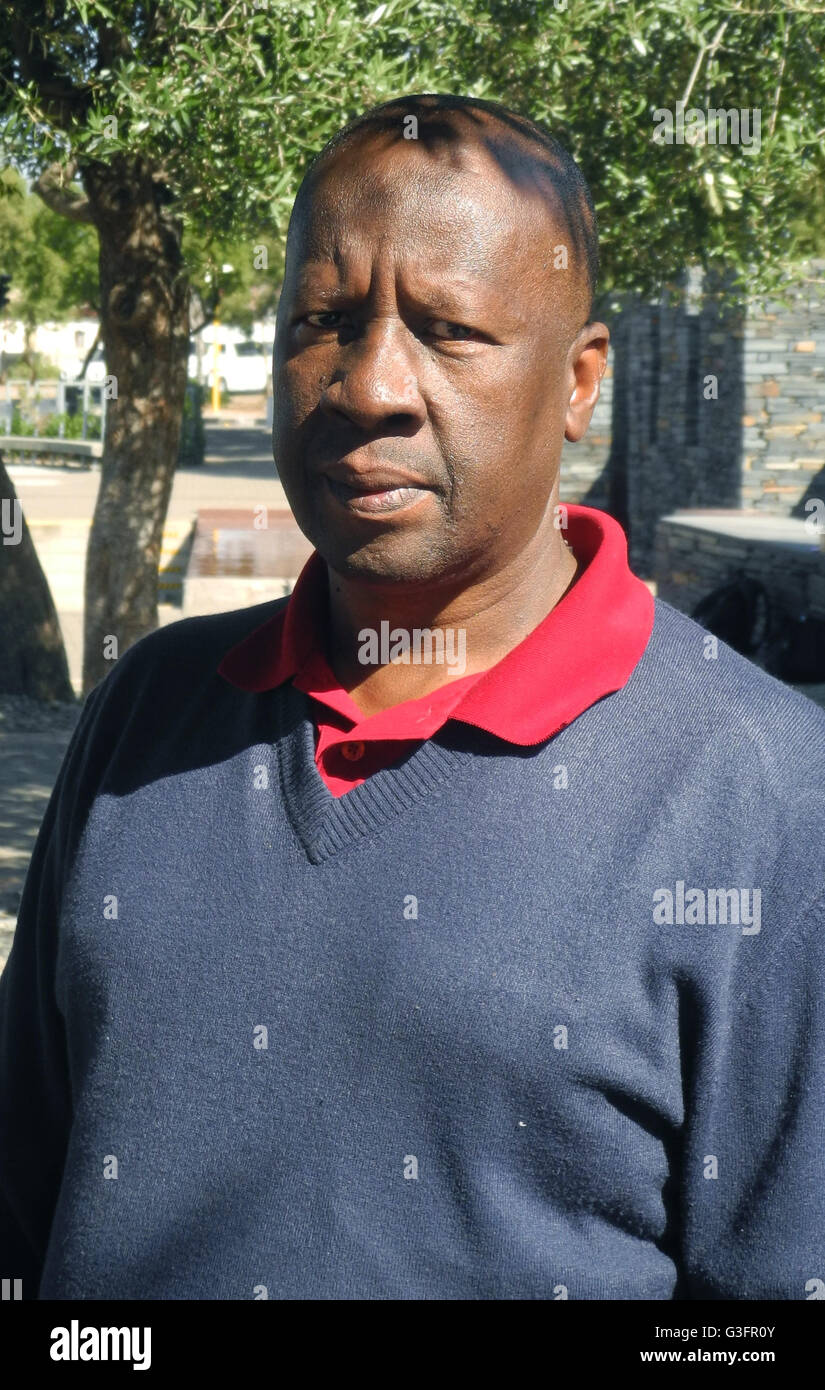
(162, 687)
(183, 656)
(747, 738)
(699, 676)
(723, 719)
(164, 681)
(746, 753)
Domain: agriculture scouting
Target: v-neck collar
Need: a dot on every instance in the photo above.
(325, 824)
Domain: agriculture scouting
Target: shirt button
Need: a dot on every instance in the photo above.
(352, 751)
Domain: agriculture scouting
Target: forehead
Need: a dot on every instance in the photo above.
(455, 209)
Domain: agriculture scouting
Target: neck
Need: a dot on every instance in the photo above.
(482, 620)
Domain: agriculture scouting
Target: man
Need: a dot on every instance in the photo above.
(342, 972)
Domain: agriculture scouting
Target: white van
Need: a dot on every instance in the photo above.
(242, 367)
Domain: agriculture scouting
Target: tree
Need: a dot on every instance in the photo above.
(55, 272)
(55, 261)
(197, 118)
(598, 72)
(34, 658)
(170, 116)
(249, 291)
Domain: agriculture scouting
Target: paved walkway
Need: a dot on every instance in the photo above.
(29, 764)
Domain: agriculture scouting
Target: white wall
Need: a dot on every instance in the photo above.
(64, 344)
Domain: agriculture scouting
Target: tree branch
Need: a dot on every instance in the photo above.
(778, 92)
(62, 101)
(708, 50)
(90, 354)
(53, 188)
(208, 319)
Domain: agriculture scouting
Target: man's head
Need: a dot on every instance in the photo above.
(433, 328)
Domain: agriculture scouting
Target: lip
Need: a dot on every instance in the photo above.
(373, 500)
(366, 480)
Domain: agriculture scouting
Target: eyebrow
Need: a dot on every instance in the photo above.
(448, 296)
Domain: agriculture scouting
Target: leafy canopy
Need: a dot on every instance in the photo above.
(229, 102)
(53, 261)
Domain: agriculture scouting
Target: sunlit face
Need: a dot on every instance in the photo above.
(423, 339)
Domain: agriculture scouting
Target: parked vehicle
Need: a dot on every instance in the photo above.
(242, 367)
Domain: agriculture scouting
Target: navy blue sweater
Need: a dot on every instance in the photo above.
(499, 1023)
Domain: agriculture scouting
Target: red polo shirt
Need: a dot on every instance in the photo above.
(585, 648)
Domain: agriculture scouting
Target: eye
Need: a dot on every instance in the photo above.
(326, 318)
(459, 331)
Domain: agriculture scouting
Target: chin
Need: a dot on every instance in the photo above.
(381, 560)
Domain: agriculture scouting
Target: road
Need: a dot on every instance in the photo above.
(238, 471)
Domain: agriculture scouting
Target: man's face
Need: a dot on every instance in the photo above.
(423, 343)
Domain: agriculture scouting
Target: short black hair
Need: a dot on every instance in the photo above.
(540, 157)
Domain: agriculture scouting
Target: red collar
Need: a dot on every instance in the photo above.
(585, 648)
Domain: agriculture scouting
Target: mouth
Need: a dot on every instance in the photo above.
(358, 497)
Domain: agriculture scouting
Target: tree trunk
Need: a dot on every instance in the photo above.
(32, 656)
(27, 355)
(144, 294)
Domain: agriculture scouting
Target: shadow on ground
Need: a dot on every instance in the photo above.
(29, 764)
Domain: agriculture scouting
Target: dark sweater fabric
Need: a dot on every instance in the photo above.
(445, 1037)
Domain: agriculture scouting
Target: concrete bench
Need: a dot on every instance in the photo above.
(235, 564)
(40, 446)
(698, 549)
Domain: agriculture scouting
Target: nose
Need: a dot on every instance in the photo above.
(375, 383)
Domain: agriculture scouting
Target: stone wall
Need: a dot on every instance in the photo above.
(711, 405)
(783, 461)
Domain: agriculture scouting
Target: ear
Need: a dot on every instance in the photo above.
(587, 363)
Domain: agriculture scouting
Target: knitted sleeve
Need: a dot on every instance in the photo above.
(35, 1093)
(753, 1183)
